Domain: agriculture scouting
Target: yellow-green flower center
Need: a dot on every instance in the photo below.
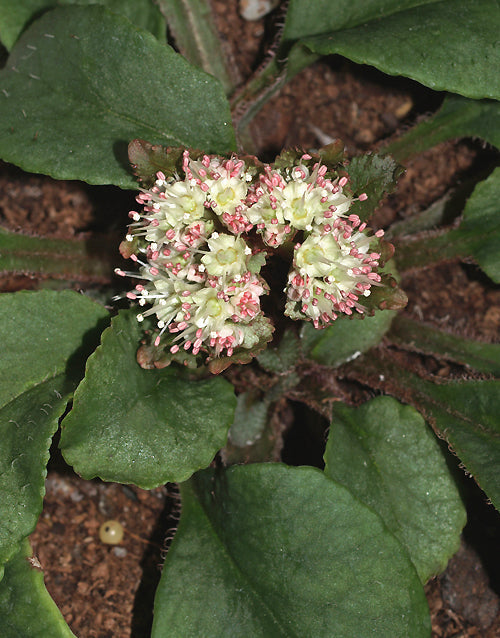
(312, 255)
(227, 256)
(213, 307)
(189, 204)
(225, 196)
(298, 209)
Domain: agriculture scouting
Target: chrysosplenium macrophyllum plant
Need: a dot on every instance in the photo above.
(210, 225)
(272, 265)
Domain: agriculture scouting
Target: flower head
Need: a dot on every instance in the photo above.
(334, 266)
(199, 246)
(202, 285)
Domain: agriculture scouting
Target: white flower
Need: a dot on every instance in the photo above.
(314, 258)
(168, 208)
(212, 310)
(201, 285)
(301, 204)
(227, 256)
(227, 194)
(182, 203)
(288, 200)
(225, 184)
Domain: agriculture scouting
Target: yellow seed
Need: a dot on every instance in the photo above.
(111, 533)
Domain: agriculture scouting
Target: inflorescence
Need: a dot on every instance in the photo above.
(206, 230)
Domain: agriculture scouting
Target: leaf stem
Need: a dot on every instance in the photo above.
(192, 25)
(279, 67)
(75, 260)
(427, 251)
(408, 333)
(457, 117)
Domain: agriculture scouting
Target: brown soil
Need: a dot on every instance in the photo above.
(107, 591)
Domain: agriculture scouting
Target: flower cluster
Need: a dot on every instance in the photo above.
(199, 276)
(206, 230)
(288, 200)
(334, 266)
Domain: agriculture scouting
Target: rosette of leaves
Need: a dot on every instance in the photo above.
(262, 549)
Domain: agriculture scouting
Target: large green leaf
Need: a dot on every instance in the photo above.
(26, 609)
(346, 339)
(305, 19)
(269, 550)
(15, 16)
(386, 455)
(478, 235)
(464, 413)
(45, 337)
(26, 428)
(81, 83)
(42, 335)
(450, 45)
(145, 427)
(458, 117)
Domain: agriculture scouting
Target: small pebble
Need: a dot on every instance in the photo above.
(120, 552)
(256, 9)
(111, 533)
(403, 109)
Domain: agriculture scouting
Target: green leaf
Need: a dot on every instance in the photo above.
(480, 227)
(270, 550)
(466, 414)
(450, 45)
(44, 334)
(385, 454)
(82, 82)
(14, 17)
(42, 358)
(304, 19)
(463, 413)
(414, 335)
(478, 235)
(27, 425)
(346, 338)
(26, 609)
(375, 175)
(458, 117)
(145, 427)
